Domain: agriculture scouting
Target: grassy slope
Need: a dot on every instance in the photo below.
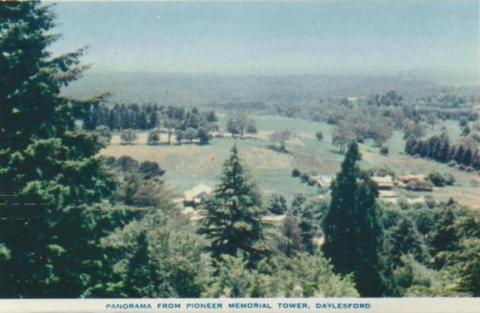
(188, 165)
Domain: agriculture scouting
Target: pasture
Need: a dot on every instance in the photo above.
(189, 164)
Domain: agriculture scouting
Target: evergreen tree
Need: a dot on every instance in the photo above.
(47, 165)
(404, 239)
(338, 224)
(353, 229)
(234, 215)
(293, 235)
(203, 136)
(445, 237)
(141, 277)
(369, 263)
(278, 205)
(467, 157)
(466, 263)
(307, 228)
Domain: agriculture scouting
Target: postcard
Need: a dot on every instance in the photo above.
(242, 156)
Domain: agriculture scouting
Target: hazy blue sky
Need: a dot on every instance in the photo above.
(274, 37)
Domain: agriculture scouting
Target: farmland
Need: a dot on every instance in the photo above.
(189, 164)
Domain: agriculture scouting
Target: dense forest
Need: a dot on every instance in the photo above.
(77, 224)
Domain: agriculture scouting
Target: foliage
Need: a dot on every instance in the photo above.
(361, 124)
(105, 134)
(404, 239)
(466, 264)
(239, 123)
(128, 137)
(413, 129)
(413, 279)
(140, 184)
(233, 221)
(120, 116)
(301, 276)
(441, 179)
(281, 137)
(440, 149)
(353, 229)
(445, 237)
(203, 136)
(277, 205)
(49, 165)
(390, 98)
(157, 256)
(153, 137)
(296, 172)
(150, 170)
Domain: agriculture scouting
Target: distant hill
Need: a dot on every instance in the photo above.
(191, 89)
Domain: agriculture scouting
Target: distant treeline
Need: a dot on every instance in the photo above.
(242, 106)
(450, 114)
(149, 116)
(439, 148)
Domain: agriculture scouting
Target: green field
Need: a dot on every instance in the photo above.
(189, 165)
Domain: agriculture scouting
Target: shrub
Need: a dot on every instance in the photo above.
(153, 137)
(384, 151)
(278, 205)
(105, 133)
(150, 169)
(441, 180)
(251, 129)
(452, 163)
(430, 201)
(126, 163)
(304, 177)
(296, 172)
(128, 137)
(418, 185)
(203, 136)
(437, 179)
(403, 203)
(449, 179)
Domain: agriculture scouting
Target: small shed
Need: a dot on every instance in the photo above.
(323, 181)
(384, 182)
(195, 195)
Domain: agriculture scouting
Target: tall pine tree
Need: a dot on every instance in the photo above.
(49, 176)
(233, 222)
(339, 222)
(353, 229)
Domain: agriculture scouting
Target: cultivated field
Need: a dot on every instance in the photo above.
(188, 165)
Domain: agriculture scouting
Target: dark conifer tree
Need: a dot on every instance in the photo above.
(459, 153)
(445, 237)
(141, 280)
(338, 224)
(352, 227)
(444, 152)
(47, 165)
(404, 239)
(234, 215)
(307, 228)
(476, 160)
(467, 157)
(369, 266)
